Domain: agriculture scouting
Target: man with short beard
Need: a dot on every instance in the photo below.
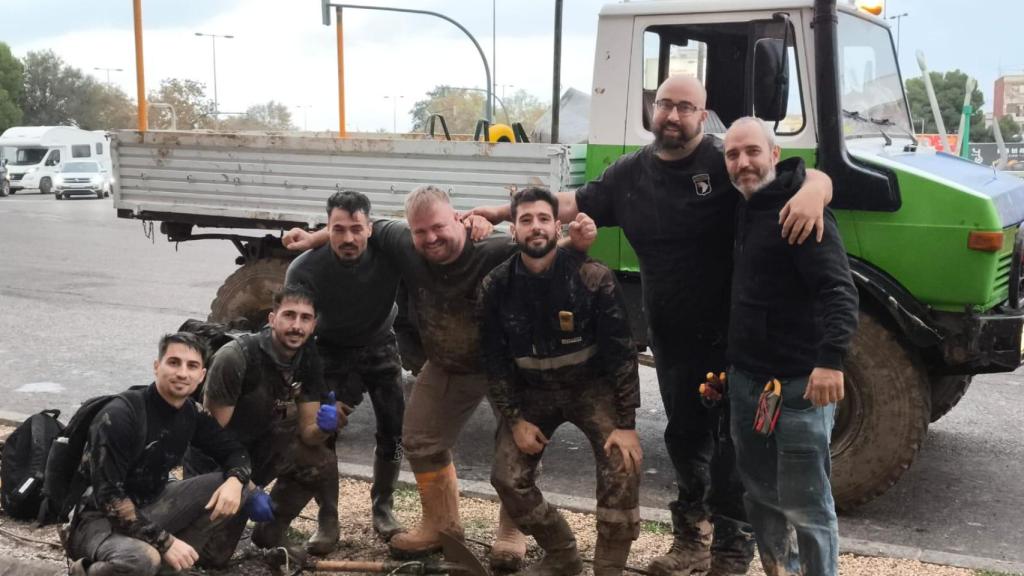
(675, 204)
(794, 310)
(557, 347)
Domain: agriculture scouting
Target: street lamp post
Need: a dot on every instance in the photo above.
(899, 19)
(394, 112)
(305, 108)
(108, 70)
(213, 43)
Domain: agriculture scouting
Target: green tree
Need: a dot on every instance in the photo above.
(11, 73)
(949, 92)
(54, 93)
(1009, 128)
(522, 107)
(188, 98)
(109, 108)
(273, 116)
(461, 109)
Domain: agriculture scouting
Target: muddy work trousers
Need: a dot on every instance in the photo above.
(375, 369)
(440, 406)
(514, 473)
(699, 445)
(180, 510)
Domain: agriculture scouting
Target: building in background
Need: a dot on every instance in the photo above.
(1009, 97)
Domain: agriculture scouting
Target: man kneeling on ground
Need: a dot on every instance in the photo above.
(794, 310)
(557, 348)
(130, 521)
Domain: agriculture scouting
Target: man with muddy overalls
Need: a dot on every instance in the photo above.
(130, 520)
(557, 348)
(267, 389)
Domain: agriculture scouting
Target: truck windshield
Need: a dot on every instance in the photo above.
(81, 167)
(872, 92)
(29, 156)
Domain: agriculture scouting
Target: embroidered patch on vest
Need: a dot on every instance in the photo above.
(702, 184)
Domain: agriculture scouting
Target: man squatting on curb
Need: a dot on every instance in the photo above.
(266, 389)
(130, 520)
(558, 348)
(676, 206)
(442, 266)
(794, 310)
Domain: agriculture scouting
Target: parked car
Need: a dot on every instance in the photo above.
(81, 179)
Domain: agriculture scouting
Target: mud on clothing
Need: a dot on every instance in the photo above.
(680, 216)
(558, 348)
(127, 472)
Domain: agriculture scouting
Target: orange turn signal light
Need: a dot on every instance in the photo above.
(873, 7)
(985, 241)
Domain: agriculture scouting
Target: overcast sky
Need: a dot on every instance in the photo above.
(282, 52)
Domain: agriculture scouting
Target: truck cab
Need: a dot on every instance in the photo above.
(932, 239)
(36, 154)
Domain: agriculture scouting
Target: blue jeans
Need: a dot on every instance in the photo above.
(786, 476)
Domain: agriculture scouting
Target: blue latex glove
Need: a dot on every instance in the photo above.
(258, 507)
(327, 416)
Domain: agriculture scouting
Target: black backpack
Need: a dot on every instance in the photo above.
(216, 335)
(23, 468)
(63, 485)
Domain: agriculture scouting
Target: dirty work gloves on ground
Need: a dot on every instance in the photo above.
(258, 507)
(327, 416)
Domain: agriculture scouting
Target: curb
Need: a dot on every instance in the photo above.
(483, 490)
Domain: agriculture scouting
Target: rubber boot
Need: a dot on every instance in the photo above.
(288, 498)
(560, 555)
(328, 531)
(509, 547)
(690, 552)
(385, 476)
(439, 497)
(610, 556)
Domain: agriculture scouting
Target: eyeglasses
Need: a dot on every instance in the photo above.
(682, 108)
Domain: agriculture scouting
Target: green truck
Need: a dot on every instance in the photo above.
(932, 238)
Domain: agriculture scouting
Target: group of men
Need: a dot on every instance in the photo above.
(540, 329)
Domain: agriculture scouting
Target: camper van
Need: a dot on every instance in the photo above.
(36, 154)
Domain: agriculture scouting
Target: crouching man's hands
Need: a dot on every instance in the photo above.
(180, 555)
(628, 444)
(226, 500)
(528, 437)
(825, 386)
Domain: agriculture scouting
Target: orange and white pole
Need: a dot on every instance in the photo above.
(341, 75)
(140, 75)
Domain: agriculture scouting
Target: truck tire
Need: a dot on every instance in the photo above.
(947, 392)
(883, 418)
(45, 186)
(248, 292)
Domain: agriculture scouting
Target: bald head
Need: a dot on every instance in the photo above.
(678, 119)
(682, 87)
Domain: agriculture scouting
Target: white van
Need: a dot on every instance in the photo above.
(35, 154)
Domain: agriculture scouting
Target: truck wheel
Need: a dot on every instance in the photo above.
(947, 392)
(248, 292)
(883, 418)
(45, 186)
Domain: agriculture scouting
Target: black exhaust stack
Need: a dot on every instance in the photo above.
(854, 185)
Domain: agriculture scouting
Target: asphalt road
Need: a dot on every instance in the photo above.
(84, 297)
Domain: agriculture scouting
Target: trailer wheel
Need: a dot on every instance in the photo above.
(947, 392)
(248, 292)
(45, 186)
(883, 419)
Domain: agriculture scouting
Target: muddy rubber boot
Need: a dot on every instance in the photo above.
(439, 497)
(560, 555)
(328, 531)
(610, 556)
(732, 550)
(690, 552)
(382, 492)
(288, 498)
(509, 547)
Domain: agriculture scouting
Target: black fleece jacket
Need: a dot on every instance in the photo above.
(794, 308)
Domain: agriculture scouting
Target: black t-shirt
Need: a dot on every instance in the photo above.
(680, 218)
(355, 302)
(445, 296)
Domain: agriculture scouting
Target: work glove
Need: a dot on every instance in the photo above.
(258, 507)
(327, 415)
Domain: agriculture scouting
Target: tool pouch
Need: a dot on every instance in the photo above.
(769, 405)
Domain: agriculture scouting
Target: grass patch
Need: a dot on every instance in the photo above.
(651, 527)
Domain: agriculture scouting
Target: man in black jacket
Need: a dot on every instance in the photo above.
(557, 347)
(794, 310)
(130, 520)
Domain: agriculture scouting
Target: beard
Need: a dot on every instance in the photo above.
(664, 141)
(763, 179)
(541, 251)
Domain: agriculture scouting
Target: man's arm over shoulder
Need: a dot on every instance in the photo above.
(825, 268)
(597, 198)
(392, 237)
(497, 359)
(115, 443)
(615, 340)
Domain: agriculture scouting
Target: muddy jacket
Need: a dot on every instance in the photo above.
(127, 471)
(565, 328)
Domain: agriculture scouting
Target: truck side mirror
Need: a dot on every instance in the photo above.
(771, 79)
